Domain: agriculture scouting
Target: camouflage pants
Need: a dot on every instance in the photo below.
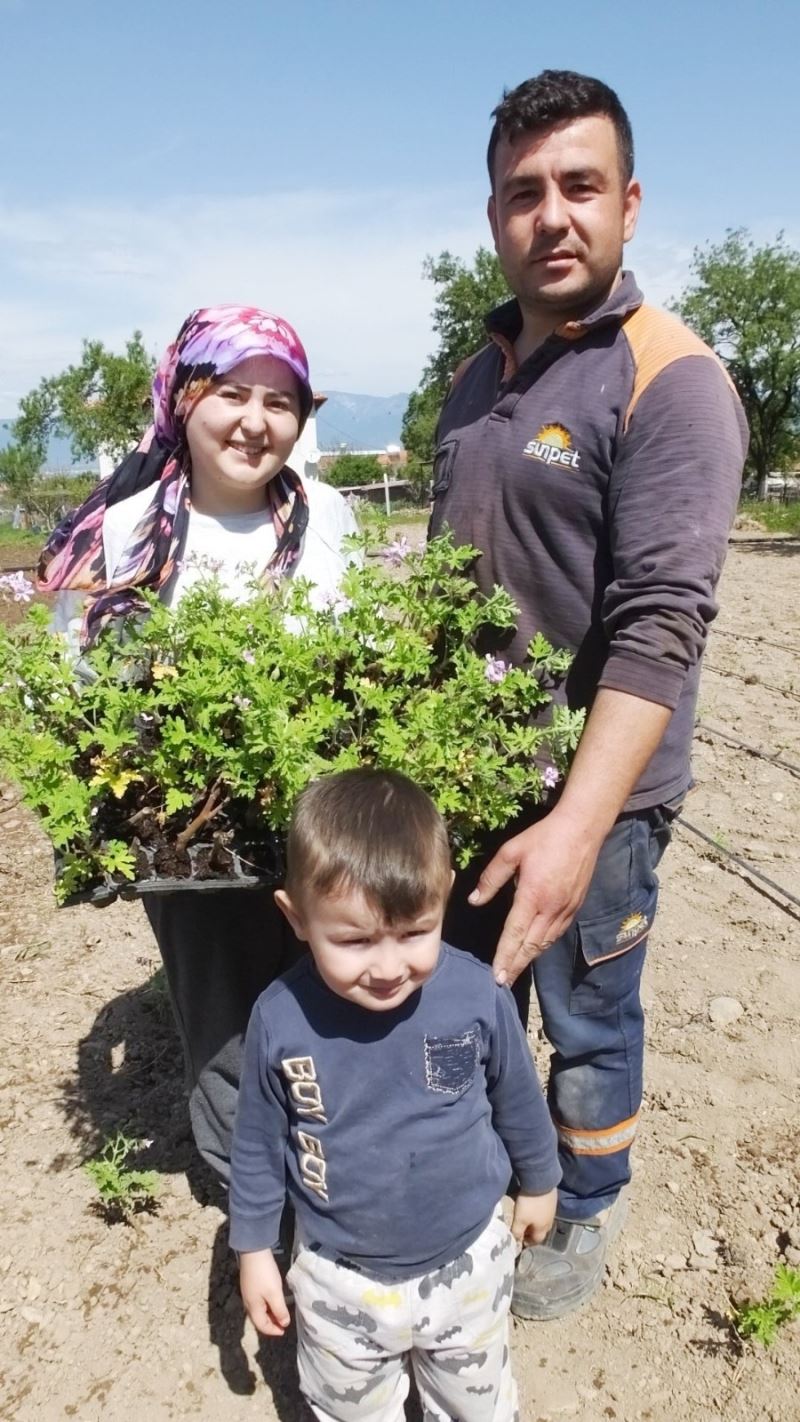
(356, 1337)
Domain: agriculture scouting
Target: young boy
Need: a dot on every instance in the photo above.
(389, 1087)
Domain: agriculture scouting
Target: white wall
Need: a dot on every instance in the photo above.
(304, 458)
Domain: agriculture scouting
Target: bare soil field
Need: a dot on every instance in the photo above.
(113, 1321)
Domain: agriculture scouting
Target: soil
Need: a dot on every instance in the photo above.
(106, 1321)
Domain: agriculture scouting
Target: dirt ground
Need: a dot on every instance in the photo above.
(109, 1321)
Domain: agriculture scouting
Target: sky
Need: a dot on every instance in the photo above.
(306, 156)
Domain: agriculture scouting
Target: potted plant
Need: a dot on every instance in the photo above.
(171, 755)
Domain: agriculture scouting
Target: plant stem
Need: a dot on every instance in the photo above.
(209, 812)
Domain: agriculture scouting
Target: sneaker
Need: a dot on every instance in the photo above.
(561, 1274)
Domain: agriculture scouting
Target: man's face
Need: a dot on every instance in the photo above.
(560, 214)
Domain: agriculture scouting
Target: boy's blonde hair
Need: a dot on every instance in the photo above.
(374, 831)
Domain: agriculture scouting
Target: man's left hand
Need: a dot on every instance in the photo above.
(553, 863)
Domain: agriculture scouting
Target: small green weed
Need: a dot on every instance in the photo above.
(122, 1192)
(156, 994)
(763, 1318)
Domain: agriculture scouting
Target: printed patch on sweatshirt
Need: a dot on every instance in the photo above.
(553, 445)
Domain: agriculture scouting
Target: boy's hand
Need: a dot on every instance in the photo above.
(533, 1216)
(262, 1292)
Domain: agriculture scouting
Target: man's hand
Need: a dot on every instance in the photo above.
(553, 862)
(533, 1216)
(262, 1292)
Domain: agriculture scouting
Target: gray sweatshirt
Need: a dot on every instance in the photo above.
(600, 479)
(395, 1132)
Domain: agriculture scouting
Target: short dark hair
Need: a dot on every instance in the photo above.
(374, 831)
(556, 96)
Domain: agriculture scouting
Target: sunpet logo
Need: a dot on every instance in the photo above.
(553, 445)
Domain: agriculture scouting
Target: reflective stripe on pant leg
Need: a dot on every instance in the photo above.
(605, 1142)
(594, 1097)
(588, 988)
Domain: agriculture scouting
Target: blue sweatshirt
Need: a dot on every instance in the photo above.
(395, 1133)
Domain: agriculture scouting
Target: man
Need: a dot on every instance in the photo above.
(593, 451)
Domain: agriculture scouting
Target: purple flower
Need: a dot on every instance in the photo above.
(203, 563)
(496, 670)
(243, 702)
(397, 552)
(336, 602)
(249, 657)
(16, 585)
(550, 776)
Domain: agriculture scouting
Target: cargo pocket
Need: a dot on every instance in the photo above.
(443, 462)
(609, 956)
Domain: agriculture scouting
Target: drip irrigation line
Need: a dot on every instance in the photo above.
(772, 757)
(763, 641)
(742, 864)
(750, 679)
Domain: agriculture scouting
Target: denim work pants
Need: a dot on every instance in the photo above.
(220, 950)
(587, 985)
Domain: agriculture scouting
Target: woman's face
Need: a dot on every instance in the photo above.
(240, 435)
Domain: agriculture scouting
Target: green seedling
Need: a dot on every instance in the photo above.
(122, 1192)
(156, 994)
(761, 1319)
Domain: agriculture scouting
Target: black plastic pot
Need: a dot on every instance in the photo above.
(252, 867)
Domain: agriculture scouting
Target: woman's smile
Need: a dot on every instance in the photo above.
(241, 434)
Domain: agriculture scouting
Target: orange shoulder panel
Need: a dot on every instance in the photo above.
(462, 368)
(656, 339)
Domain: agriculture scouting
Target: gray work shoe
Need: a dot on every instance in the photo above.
(558, 1276)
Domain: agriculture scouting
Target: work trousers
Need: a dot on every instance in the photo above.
(356, 1337)
(220, 949)
(587, 985)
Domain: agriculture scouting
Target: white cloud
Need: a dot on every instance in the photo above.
(345, 268)
(661, 267)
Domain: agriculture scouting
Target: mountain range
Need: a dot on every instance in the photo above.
(357, 422)
(360, 421)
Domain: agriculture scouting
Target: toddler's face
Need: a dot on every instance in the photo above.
(361, 958)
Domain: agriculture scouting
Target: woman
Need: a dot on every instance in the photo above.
(209, 486)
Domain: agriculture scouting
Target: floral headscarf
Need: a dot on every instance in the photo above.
(210, 343)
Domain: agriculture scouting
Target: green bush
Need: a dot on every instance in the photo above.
(212, 717)
(350, 469)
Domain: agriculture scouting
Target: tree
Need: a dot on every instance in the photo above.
(744, 302)
(103, 402)
(354, 469)
(19, 465)
(464, 296)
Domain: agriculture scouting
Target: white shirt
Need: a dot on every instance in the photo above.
(234, 547)
(231, 543)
